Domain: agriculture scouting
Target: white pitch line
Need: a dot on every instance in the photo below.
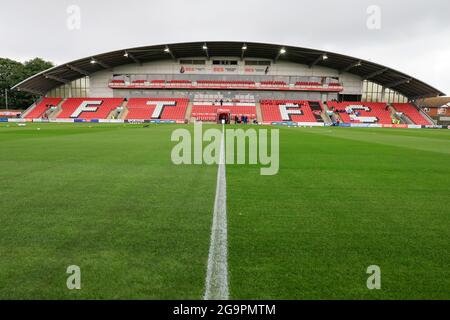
(217, 273)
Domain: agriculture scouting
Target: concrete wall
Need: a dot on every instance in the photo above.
(98, 85)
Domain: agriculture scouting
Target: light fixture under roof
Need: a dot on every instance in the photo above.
(282, 50)
(166, 49)
(93, 61)
(244, 47)
(325, 56)
(205, 47)
(125, 54)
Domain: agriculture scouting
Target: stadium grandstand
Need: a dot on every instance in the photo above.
(437, 108)
(207, 81)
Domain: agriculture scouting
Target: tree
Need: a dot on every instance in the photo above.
(36, 65)
(13, 72)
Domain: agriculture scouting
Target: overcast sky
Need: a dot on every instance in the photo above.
(414, 36)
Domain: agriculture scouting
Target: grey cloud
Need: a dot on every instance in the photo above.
(413, 36)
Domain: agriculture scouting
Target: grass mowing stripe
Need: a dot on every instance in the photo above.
(426, 142)
(217, 273)
(336, 207)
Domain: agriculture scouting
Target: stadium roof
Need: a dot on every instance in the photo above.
(408, 86)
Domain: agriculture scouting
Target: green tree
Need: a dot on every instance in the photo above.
(36, 65)
(13, 72)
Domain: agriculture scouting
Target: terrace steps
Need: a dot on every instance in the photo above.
(58, 110)
(259, 117)
(189, 112)
(425, 115)
(338, 117)
(30, 108)
(325, 117)
(124, 112)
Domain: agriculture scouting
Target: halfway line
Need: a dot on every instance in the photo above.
(217, 273)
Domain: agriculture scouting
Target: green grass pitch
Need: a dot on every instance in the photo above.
(108, 199)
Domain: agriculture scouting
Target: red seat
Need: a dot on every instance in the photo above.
(411, 112)
(225, 83)
(103, 110)
(180, 81)
(42, 107)
(271, 111)
(118, 81)
(308, 84)
(376, 109)
(138, 109)
(273, 83)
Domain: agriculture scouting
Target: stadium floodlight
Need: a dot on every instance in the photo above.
(325, 57)
(205, 48)
(93, 61)
(280, 53)
(125, 54)
(244, 48)
(168, 51)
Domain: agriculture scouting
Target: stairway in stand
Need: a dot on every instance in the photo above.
(259, 117)
(317, 110)
(188, 112)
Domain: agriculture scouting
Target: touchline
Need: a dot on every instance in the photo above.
(242, 147)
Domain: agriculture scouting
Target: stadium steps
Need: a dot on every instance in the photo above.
(30, 108)
(112, 113)
(413, 113)
(316, 107)
(123, 115)
(115, 114)
(392, 110)
(259, 117)
(58, 110)
(424, 114)
(325, 117)
(407, 119)
(403, 118)
(335, 117)
(188, 114)
(338, 117)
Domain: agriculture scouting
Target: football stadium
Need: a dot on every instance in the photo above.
(357, 207)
